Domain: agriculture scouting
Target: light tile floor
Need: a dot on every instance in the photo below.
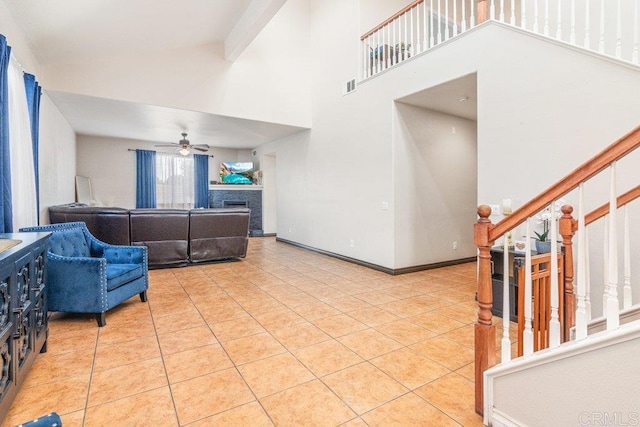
(284, 337)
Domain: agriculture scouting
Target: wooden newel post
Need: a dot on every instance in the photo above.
(485, 332)
(567, 227)
(483, 11)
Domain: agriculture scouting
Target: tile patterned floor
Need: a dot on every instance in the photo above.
(284, 337)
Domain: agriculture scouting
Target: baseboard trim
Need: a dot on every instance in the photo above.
(391, 271)
(269, 235)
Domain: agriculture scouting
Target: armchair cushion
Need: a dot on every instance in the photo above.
(119, 274)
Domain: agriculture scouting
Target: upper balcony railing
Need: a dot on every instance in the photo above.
(610, 27)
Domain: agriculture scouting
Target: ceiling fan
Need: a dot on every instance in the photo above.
(184, 146)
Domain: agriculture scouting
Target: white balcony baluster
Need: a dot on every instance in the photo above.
(627, 261)
(506, 342)
(472, 10)
(546, 18)
(559, 27)
(587, 298)
(523, 13)
(463, 22)
(601, 43)
(431, 27)
(587, 26)
(455, 19)
(636, 30)
(439, 24)
(619, 32)
(613, 319)
(492, 10)
(554, 322)
(501, 10)
(527, 335)
(512, 19)
(605, 265)
(535, 16)
(572, 35)
(581, 313)
(446, 20)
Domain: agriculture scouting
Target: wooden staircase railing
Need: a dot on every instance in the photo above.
(486, 233)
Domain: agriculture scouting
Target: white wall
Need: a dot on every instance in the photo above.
(435, 179)
(18, 42)
(269, 82)
(112, 168)
(57, 158)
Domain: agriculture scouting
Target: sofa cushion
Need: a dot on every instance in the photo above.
(119, 274)
(70, 243)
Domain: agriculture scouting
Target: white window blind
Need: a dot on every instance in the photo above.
(174, 181)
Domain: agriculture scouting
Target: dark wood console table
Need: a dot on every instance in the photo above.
(23, 309)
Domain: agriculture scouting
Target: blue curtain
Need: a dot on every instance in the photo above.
(201, 180)
(34, 92)
(145, 179)
(6, 215)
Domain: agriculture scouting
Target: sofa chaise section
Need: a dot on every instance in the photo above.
(165, 232)
(218, 233)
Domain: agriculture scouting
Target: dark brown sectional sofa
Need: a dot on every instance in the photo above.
(174, 237)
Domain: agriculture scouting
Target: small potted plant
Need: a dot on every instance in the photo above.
(543, 242)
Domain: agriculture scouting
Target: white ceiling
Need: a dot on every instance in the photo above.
(65, 30)
(69, 31)
(109, 118)
(456, 97)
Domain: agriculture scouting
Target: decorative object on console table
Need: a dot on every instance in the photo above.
(543, 240)
(23, 310)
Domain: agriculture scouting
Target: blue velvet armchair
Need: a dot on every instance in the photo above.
(86, 275)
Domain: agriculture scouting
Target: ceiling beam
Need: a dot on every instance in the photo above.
(253, 20)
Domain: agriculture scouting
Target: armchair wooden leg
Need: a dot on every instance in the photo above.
(101, 318)
(143, 296)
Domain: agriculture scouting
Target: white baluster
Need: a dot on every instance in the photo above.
(601, 44)
(535, 16)
(587, 279)
(439, 24)
(384, 64)
(605, 265)
(627, 261)
(634, 55)
(406, 29)
(527, 335)
(506, 342)
(365, 55)
(492, 10)
(587, 26)
(446, 19)
(377, 52)
(559, 30)
(463, 23)
(613, 308)
(431, 27)
(394, 59)
(581, 314)
(412, 37)
(572, 36)
(455, 18)
(554, 322)
(546, 17)
(512, 20)
(425, 24)
(472, 10)
(619, 32)
(523, 13)
(501, 10)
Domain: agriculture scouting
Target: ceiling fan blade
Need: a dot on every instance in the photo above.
(199, 148)
(169, 144)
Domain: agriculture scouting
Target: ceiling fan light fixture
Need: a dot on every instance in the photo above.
(184, 151)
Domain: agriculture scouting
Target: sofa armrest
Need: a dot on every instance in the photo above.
(77, 284)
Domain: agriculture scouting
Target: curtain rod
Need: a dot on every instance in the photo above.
(133, 149)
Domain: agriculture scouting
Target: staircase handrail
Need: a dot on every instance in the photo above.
(391, 18)
(603, 210)
(582, 173)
